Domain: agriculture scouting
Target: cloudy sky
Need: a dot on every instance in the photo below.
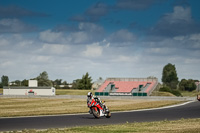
(115, 38)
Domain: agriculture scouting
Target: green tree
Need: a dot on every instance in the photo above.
(24, 82)
(75, 84)
(4, 81)
(85, 83)
(43, 79)
(64, 83)
(182, 84)
(17, 83)
(58, 82)
(169, 76)
(187, 85)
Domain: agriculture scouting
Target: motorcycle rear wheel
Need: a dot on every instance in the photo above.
(95, 113)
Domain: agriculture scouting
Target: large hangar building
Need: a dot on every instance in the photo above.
(31, 90)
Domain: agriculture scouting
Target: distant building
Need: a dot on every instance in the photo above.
(32, 89)
(97, 84)
(127, 86)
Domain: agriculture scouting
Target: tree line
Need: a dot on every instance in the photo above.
(4, 81)
(84, 83)
(172, 84)
(170, 81)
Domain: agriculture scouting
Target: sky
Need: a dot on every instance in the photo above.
(115, 38)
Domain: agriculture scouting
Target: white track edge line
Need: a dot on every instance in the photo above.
(165, 107)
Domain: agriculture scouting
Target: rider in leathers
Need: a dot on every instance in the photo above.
(90, 98)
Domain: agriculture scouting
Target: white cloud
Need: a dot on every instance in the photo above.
(177, 23)
(6, 64)
(195, 37)
(179, 38)
(127, 59)
(3, 42)
(50, 36)
(122, 36)
(41, 59)
(87, 33)
(123, 58)
(192, 41)
(161, 51)
(107, 45)
(191, 61)
(58, 49)
(91, 27)
(15, 26)
(93, 50)
(26, 43)
(196, 45)
(84, 33)
(31, 57)
(180, 14)
(79, 37)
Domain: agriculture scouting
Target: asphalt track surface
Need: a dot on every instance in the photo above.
(189, 110)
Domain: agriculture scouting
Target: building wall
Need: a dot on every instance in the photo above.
(33, 83)
(29, 91)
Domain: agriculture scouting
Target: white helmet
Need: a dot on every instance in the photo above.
(89, 95)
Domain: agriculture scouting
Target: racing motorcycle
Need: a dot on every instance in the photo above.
(198, 97)
(97, 110)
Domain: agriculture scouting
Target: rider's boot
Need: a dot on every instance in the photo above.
(101, 113)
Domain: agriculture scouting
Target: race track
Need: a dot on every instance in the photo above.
(190, 110)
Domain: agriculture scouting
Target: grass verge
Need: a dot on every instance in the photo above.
(72, 92)
(11, 107)
(1, 90)
(190, 94)
(159, 93)
(179, 126)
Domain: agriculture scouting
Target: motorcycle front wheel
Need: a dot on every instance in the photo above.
(95, 112)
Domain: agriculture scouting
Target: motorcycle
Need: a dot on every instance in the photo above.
(97, 110)
(198, 97)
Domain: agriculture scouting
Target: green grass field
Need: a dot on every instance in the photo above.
(179, 126)
(190, 94)
(159, 93)
(72, 92)
(12, 107)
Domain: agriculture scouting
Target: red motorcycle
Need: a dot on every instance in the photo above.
(198, 97)
(98, 110)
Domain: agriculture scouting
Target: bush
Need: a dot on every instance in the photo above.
(174, 92)
(165, 89)
(187, 85)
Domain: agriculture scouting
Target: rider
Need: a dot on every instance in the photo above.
(90, 98)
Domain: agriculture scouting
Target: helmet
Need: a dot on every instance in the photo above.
(89, 95)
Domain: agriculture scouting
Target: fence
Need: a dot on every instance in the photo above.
(120, 94)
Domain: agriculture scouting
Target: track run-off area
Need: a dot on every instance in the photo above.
(186, 110)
